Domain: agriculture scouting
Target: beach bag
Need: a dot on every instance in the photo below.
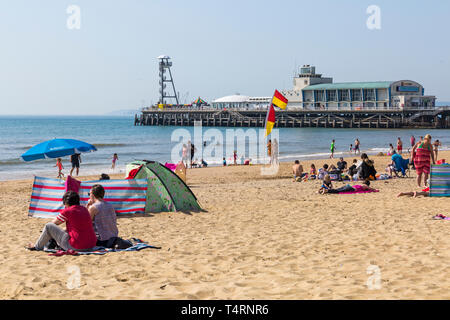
(335, 175)
(118, 243)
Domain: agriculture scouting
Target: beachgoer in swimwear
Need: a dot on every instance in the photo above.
(297, 171)
(75, 159)
(399, 145)
(357, 143)
(421, 153)
(332, 148)
(114, 159)
(436, 145)
(313, 171)
(269, 150)
(413, 141)
(60, 167)
(235, 157)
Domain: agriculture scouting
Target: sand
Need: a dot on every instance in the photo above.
(261, 237)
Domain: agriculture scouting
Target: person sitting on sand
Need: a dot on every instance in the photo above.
(365, 186)
(342, 165)
(313, 171)
(297, 171)
(104, 176)
(323, 171)
(204, 164)
(352, 169)
(79, 234)
(103, 216)
(326, 184)
(367, 169)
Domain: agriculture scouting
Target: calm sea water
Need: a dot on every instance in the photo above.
(118, 135)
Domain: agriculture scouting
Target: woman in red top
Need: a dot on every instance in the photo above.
(79, 234)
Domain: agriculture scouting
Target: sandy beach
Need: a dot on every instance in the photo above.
(260, 237)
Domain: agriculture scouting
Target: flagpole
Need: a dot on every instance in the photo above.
(265, 126)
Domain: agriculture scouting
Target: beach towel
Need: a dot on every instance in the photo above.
(72, 184)
(440, 180)
(354, 192)
(46, 197)
(126, 195)
(138, 245)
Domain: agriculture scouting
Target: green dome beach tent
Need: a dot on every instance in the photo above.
(166, 191)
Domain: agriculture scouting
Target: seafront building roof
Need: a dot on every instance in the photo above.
(350, 85)
(232, 99)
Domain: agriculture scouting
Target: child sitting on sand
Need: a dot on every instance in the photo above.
(326, 184)
(323, 171)
(313, 171)
(60, 167)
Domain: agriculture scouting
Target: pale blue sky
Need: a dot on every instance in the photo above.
(218, 48)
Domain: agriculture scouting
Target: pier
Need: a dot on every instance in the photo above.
(436, 118)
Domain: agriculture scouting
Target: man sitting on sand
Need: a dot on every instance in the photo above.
(297, 171)
(80, 233)
(342, 165)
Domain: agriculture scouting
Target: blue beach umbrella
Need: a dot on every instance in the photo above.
(57, 148)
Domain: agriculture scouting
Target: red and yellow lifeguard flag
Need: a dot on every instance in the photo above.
(279, 100)
(270, 120)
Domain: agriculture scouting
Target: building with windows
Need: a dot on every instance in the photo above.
(313, 92)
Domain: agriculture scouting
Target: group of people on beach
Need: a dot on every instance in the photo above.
(75, 160)
(359, 170)
(86, 226)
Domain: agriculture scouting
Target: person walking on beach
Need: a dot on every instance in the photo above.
(421, 153)
(351, 148)
(332, 148)
(436, 145)
(114, 159)
(399, 145)
(235, 157)
(75, 159)
(60, 167)
(357, 143)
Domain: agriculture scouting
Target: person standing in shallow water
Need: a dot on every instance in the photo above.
(332, 148)
(357, 146)
(114, 160)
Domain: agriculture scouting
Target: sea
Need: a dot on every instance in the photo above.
(117, 134)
